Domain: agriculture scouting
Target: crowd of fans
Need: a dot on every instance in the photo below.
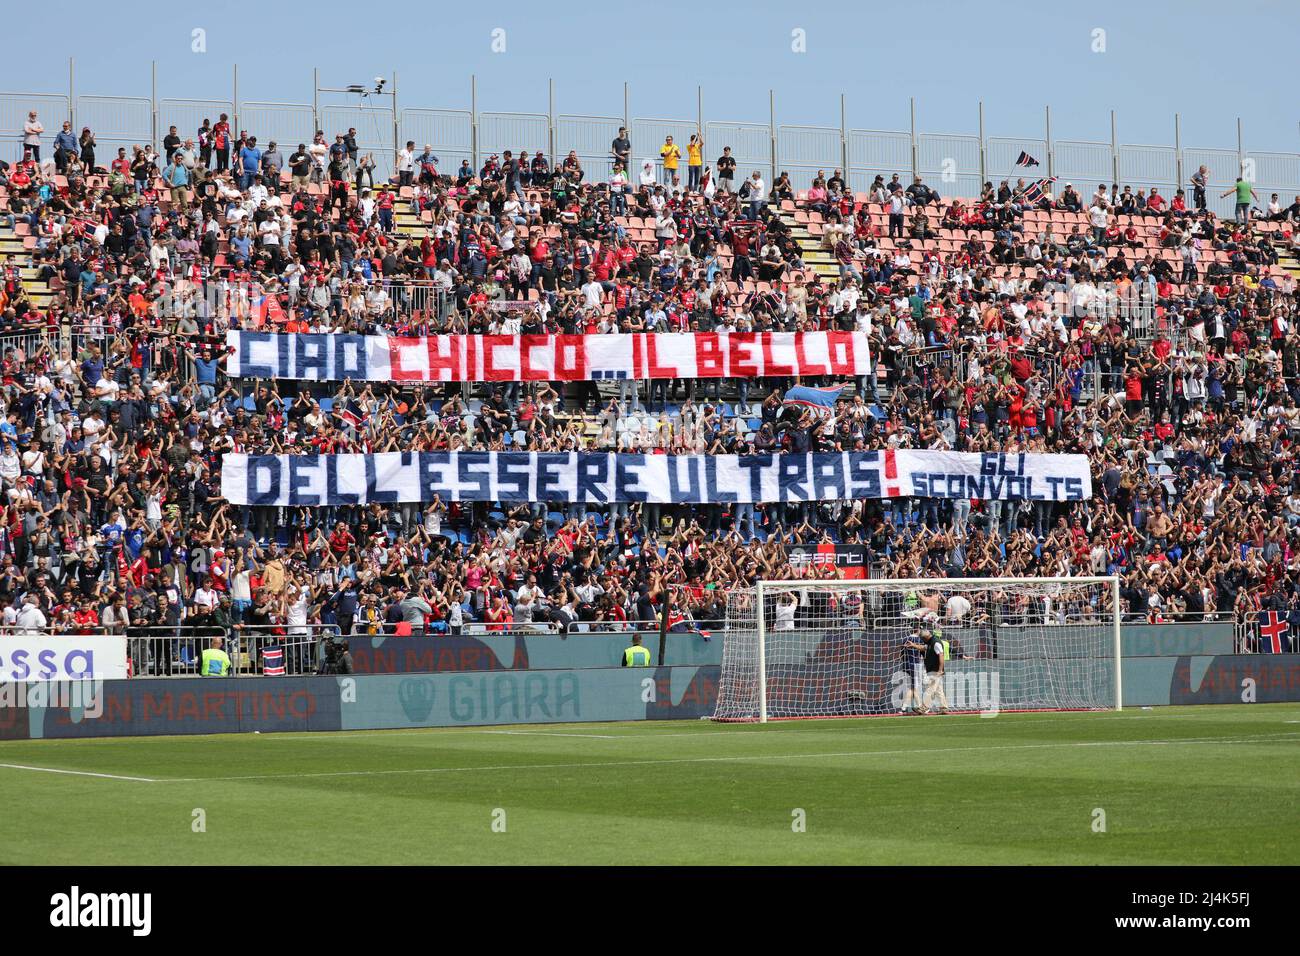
(1152, 336)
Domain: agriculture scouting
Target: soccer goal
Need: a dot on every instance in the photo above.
(861, 647)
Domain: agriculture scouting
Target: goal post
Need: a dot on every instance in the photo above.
(812, 648)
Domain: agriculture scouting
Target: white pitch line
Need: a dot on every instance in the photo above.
(78, 773)
(787, 727)
(543, 733)
(911, 752)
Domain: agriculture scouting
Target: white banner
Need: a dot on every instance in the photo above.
(554, 358)
(62, 658)
(600, 478)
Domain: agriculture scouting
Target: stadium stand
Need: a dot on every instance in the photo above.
(1141, 330)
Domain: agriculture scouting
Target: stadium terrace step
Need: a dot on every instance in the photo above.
(820, 261)
(11, 243)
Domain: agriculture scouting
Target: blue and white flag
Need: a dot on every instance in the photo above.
(819, 401)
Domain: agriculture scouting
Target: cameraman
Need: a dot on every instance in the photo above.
(338, 657)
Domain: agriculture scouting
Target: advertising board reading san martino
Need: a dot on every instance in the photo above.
(597, 478)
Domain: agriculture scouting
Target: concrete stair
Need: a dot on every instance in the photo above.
(818, 260)
(13, 244)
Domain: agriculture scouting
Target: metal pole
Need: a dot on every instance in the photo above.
(771, 127)
(1051, 160)
(666, 603)
(1119, 649)
(315, 99)
(473, 120)
(844, 143)
(234, 100)
(153, 101)
(1114, 150)
(1240, 152)
(912, 101)
(397, 135)
(72, 95)
(550, 120)
(699, 111)
(626, 121)
(983, 162)
(1178, 148)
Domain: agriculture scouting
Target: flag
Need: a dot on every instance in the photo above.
(268, 309)
(1034, 192)
(1274, 633)
(273, 662)
(820, 401)
(1026, 160)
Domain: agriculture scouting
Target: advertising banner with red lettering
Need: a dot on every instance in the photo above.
(849, 559)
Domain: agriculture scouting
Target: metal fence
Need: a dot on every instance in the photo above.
(294, 650)
(954, 163)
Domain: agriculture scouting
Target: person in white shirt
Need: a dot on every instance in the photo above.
(32, 131)
(31, 619)
(296, 606)
(106, 390)
(757, 194)
(617, 191)
(1100, 219)
(592, 293)
(204, 597)
(268, 234)
(257, 194)
(319, 152)
(786, 605)
(406, 164)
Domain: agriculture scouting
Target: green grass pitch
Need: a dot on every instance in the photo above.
(1177, 785)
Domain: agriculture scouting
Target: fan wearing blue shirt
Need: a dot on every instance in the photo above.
(250, 162)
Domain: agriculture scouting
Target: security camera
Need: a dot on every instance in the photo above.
(379, 82)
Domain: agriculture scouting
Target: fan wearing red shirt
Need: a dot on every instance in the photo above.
(341, 539)
(626, 254)
(497, 615)
(1133, 390)
(86, 618)
(606, 263)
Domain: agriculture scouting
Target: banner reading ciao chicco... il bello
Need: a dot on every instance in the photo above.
(599, 478)
(554, 358)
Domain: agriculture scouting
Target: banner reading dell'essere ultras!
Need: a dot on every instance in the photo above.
(554, 358)
(597, 478)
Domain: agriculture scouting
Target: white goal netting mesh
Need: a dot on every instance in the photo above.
(841, 649)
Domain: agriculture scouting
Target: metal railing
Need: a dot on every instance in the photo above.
(419, 301)
(175, 651)
(955, 163)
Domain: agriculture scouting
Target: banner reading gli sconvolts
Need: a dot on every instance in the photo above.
(63, 658)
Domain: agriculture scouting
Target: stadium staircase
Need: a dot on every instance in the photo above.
(818, 260)
(19, 242)
(1288, 263)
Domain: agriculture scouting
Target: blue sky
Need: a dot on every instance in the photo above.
(1210, 62)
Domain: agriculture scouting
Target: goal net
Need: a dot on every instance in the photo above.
(857, 648)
